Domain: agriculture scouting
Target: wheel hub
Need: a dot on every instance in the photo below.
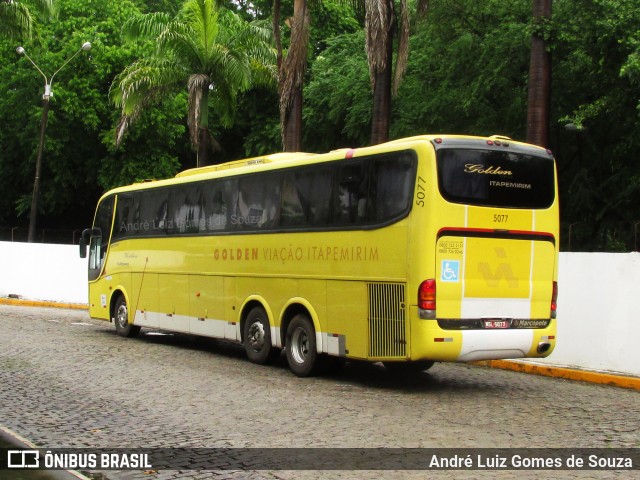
(121, 316)
(300, 345)
(256, 336)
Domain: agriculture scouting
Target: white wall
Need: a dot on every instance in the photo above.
(40, 271)
(598, 304)
(598, 312)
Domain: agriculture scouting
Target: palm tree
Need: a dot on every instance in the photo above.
(291, 70)
(381, 25)
(539, 77)
(208, 50)
(16, 18)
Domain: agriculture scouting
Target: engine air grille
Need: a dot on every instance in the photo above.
(387, 318)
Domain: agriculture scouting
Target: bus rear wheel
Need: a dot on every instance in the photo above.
(121, 319)
(257, 337)
(301, 348)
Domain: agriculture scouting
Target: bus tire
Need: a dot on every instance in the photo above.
(300, 346)
(257, 337)
(408, 367)
(121, 319)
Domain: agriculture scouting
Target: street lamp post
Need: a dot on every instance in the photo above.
(48, 93)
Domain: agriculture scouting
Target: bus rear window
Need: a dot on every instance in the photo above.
(495, 178)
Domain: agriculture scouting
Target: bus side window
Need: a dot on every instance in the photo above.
(95, 252)
(391, 188)
(306, 198)
(258, 205)
(216, 207)
(319, 197)
(123, 208)
(294, 208)
(100, 237)
(350, 201)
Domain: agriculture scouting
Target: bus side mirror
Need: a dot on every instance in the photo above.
(87, 233)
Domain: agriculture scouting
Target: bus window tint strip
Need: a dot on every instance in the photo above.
(367, 192)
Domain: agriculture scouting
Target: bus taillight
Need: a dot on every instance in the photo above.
(427, 299)
(554, 300)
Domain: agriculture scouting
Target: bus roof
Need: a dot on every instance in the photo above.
(274, 157)
(286, 157)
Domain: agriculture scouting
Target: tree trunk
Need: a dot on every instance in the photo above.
(539, 78)
(293, 123)
(204, 143)
(291, 75)
(203, 147)
(381, 114)
(36, 183)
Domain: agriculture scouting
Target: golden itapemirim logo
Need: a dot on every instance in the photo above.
(490, 170)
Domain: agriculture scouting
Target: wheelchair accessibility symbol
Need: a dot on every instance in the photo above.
(450, 271)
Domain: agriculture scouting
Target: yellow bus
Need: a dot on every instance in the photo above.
(424, 249)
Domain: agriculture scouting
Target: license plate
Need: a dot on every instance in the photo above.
(497, 323)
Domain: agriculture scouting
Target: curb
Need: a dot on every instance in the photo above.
(22, 443)
(565, 373)
(42, 303)
(601, 378)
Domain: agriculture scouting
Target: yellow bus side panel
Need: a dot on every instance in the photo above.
(430, 342)
(347, 315)
(172, 302)
(544, 268)
(205, 292)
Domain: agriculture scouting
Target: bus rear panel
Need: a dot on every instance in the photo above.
(489, 288)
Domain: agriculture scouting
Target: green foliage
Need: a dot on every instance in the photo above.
(78, 162)
(18, 16)
(337, 108)
(257, 128)
(207, 51)
(152, 149)
(596, 92)
(330, 20)
(467, 73)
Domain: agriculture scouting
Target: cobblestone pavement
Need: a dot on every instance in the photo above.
(69, 381)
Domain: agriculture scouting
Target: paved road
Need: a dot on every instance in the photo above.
(69, 381)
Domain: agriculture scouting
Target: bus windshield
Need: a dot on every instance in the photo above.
(495, 178)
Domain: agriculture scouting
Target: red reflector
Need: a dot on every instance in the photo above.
(427, 295)
(438, 339)
(554, 297)
(489, 142)
(438, 140)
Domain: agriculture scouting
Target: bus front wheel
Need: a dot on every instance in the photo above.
(302, 352)
(257, 337)
(121, 319)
